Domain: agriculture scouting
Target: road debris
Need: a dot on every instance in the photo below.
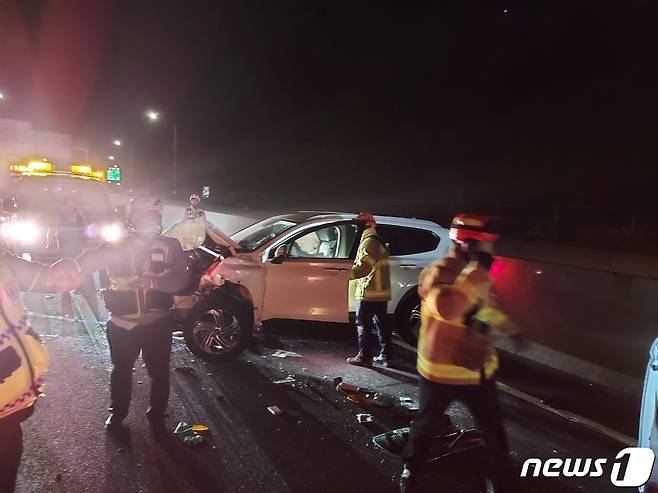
(370, 398)
(408, 403)
(364, 418)
(280, 353)
(288, 379)
(274, 410)
(186, 434)
(185, 369)
(200, 428)
(348, 388)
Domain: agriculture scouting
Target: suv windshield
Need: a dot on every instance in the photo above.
(256, 235)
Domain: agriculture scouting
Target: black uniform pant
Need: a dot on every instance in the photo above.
(154, 342)
(482, 401)
(11, 449)
(370, 320)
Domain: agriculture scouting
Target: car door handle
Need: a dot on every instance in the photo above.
(336, 269)
(408, 266)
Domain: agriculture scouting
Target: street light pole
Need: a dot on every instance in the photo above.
(154, 116)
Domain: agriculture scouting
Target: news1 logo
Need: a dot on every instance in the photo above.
(631, 468)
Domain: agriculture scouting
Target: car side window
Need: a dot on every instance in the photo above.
(335, 241)
(403, 240)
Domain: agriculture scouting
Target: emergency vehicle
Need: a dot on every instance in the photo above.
(30, 207)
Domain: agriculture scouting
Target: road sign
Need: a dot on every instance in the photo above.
(206, 192)
(113, 174)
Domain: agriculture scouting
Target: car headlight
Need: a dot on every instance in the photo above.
(112, 232)
(23, 231)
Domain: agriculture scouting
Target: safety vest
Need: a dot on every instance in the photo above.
(453, 351)
(372, 259)
(23, 358)
(143, 260)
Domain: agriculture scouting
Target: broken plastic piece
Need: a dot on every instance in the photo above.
(364, 418)
(199, 428)
(289, 379)
(280, 353)
(274, 410)
(186, 434)
(408, 403)
(348, 388)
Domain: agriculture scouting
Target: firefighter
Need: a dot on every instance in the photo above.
(68, 233)
(456, 360)
(23, 358)
(145, 269)
(373, 291)
(195, 226)
(194, 210)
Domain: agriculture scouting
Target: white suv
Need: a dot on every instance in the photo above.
(298, 266)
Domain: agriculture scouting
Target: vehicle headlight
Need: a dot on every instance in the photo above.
(112, 232)
(23, 231)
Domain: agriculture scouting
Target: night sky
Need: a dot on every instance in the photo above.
(506, 102)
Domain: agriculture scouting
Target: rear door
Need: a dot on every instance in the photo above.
(411, 249)
(311, 283)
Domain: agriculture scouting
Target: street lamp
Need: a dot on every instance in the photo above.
(111, 158)
(154, 116)
(117, 142)
(3, 96)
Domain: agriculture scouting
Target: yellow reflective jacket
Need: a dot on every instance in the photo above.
(23, 359)
(371, 268)
(451, 350)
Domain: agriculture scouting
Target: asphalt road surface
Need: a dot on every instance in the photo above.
(315, 445)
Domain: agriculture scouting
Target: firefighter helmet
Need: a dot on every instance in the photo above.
(473, 227)
(367, 217)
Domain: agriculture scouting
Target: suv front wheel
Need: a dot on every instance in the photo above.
(218, 328)
(407, 320)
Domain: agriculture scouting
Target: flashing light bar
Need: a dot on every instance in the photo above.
(32, 167)
(81, 169)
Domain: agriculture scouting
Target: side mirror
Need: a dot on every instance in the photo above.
(280, 254)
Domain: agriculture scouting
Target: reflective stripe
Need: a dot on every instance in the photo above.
(492, 316)
(457, 375)
(371, 294)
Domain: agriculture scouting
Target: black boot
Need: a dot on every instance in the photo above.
(360, 360)
(382, 360)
